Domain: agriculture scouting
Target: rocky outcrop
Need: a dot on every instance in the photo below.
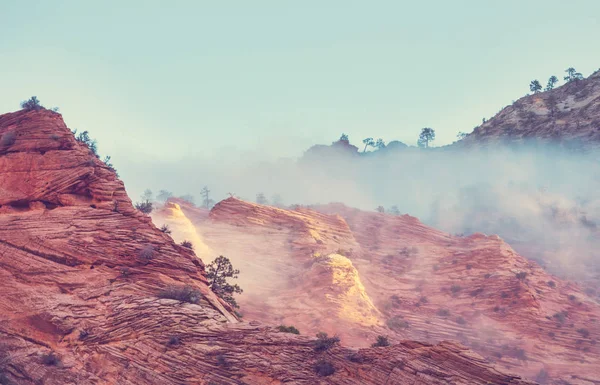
(568, 116)
(360, 274)
(81, 275)
(476, 290)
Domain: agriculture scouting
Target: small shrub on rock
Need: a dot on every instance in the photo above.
(187, 244)
(174, 341)
(32, 104)
(443, 312)
(185, 293)
(560, 317)
(381, 342)
(145, 207)
(521, 275)
(146, 254)
(50, 359)
(288, 329)
(83, 334)
(324, 342)
(222, 360)
(584, 332)
(552, 284)
(324, 368)
(455, 289)
(357, 358)
(165, 229)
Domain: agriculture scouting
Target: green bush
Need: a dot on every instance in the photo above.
(288, 329)
(32, 104)
(381, 342)
(324, 342)
(145, 207)
(185, 293)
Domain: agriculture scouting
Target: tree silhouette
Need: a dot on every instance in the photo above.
(380, 209)
(551, 83)
(380, 144)
(368, 142)
(217, 273)
(276, 200)
(461, 135)
(109, 164)
(206, 201)
(394, 210)
(261, 199)
(145, 205)
(427, 135)
(147, 195)
(84, 138)
(164, 195)
(572, 75)
(344, 138)
(535, 86)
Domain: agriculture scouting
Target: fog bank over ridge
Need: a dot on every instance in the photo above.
(543, 200)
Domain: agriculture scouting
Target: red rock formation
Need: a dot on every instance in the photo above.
(362, 274)
(567, 115)
(80, 274)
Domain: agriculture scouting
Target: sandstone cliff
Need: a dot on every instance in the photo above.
(362, 274)
(80, 273)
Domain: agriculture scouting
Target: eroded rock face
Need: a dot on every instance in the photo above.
(80, 276)
(567, 116)
(360, 274)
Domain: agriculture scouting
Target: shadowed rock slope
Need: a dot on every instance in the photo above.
(361, 274)
(80, 273)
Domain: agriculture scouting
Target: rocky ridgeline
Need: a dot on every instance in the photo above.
(567, 116)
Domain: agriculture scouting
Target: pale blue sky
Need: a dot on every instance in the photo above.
(189, 79)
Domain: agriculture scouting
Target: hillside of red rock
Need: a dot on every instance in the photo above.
(80, 275)
(568, 115)
(360, 274)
